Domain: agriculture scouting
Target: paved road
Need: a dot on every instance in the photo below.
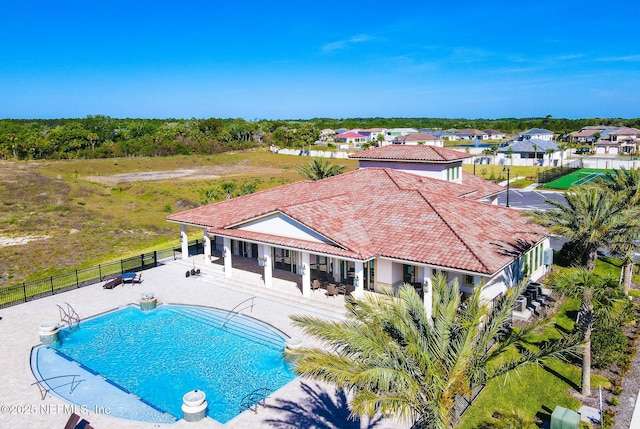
(530, 199)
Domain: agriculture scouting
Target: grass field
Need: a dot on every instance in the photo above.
(77, 213)
(580, 177)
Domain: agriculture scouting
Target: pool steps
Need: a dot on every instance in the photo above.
(250, 329)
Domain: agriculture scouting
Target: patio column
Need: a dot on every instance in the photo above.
(184, 241)
(358, 280)
(226, 254)
(207, 246)
(306, 275)
(335, 269)
(427, 290)
(264, 258)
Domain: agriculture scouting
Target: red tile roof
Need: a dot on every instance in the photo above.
(349, 135)
(417, 153)
(380, 212)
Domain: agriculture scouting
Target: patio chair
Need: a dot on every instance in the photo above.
(315, 284)
(113, 283)
(349, 289)
(341, 288)
(137, 279)
(331, 290)
(72, 421)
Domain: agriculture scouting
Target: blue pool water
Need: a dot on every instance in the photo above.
(162, 354)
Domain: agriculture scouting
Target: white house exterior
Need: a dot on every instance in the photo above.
(377, 228)
(392, 133)
(537, 134)
(419, 139)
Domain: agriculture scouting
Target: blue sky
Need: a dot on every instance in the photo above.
(338, 59)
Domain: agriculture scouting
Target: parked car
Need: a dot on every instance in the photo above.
(582, 150)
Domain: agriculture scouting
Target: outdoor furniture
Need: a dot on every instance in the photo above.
(72, 421)
(341, 289)
(113, 283)
(315, 284)
(349, 290)
(128, 277)
(331, 290)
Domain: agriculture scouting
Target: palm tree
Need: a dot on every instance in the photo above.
(592, 219)
(626, 184)
(550, 152)
(535, 154)
(600, 298)
(320, 168)
(396, 359)
(562, 147)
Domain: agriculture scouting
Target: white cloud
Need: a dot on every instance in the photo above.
(343, 44)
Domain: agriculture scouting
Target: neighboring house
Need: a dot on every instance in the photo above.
(537, 134)
(377, 228)
(392, 133)
(351, 138)
(372, 134)
(530, 152)
(419, 139)
(495, 134)
(471, 134)
(444, 135)
(327, 134)
(584, 136)
(623, 140)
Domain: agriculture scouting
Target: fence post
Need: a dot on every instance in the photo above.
(24, 291)
(77, 281)
(121, 266)
(142, 261)
(100, 271)
(155, 258)
(51, 279)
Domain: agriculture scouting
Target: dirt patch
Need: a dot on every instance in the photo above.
(15, 241)
(212, 172)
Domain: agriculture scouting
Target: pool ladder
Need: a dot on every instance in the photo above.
(69, 316)
(251, 400)
(43, 384)
(233, 312)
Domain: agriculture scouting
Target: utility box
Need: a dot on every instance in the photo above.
(563, 418)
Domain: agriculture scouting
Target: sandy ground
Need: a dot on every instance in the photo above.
(211, 172)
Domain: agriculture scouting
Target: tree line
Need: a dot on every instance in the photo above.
(101, 136)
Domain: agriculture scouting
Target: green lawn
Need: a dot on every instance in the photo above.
(534, 392)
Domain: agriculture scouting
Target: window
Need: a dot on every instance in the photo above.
(468, 280)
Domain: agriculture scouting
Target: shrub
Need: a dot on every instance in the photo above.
(608, 346)
(613, 401)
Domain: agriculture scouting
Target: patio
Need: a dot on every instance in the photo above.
(301, 403)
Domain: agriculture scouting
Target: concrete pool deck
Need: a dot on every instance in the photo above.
(301, 403)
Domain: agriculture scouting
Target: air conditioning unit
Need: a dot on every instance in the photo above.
(521, 304)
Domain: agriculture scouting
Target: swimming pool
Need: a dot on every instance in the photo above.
(160, 355)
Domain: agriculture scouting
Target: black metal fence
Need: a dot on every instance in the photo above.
(554, 173)
(28, 291)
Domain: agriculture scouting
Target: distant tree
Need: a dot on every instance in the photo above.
(562, 147)
(319, 169)
(550, 152)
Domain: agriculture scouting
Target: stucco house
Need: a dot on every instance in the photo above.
(536, 134)
(351, 138)
(623, 140)
(530, 152)
(495, 134)
(471, 134)
(392, 133)
(419, 139)
(378, 227)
